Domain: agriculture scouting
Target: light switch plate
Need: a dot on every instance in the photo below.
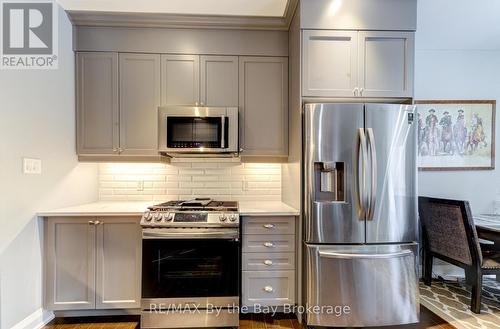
(32, 166)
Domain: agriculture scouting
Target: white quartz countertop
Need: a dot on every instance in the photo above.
(136, 208)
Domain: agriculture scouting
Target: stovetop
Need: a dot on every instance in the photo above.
(199, 212)
(200, 204)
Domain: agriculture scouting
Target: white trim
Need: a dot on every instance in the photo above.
(165, 20)
(35, 320)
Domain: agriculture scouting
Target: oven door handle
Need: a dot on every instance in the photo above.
(190, 234)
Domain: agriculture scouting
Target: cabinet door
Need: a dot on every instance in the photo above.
(264, 106)
(180, 79)
(118, 270)
(97, 103)
(386, 64)
(69, 263)
(329, 67)
(139, 101)
(219, 80)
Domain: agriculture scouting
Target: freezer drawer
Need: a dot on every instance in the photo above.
(360, 286)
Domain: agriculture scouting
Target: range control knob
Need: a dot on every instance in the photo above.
(147, 216)
(233, 218)
(222, 218)
(169, 217)
(158, 217)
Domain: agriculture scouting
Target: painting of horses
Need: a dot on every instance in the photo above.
(456, 135)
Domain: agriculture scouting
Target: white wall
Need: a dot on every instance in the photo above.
(458, 57)
(37, 120)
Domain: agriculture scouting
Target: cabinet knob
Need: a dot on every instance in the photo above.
(269, 226)
(268, 289)
(268, 244)
(91, 222)
(355, 91)
(361, 91)
(196, 103)
(120, 150)
(115, 150)
(268, 262)
(97, 222)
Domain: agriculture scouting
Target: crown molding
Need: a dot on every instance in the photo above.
(161, 20)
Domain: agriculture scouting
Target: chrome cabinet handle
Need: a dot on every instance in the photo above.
(268, 289)
(360, 184)
(269, 226)
(269, 244)
(361, 91)
(268, 262)
(120, 150)
(355, 91)
(91, 222)
(373, 183)
(115, 150)
(196, 103)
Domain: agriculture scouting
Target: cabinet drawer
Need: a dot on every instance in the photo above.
(259, 261)
(268, 243)
(268, 288)
(269, 225)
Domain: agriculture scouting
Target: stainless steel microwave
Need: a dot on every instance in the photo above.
(191, 131)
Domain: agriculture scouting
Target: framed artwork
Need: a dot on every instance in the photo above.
(456, 134)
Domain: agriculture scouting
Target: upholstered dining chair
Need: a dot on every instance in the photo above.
(449, 234)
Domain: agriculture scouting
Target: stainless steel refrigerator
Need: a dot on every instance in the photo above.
(360, 212)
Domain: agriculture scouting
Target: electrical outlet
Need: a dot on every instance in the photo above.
(32, 166)
(140, 185)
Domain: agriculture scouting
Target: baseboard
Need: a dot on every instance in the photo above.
(35, 320)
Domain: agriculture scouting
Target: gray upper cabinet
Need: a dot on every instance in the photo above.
(92, 263)
(357, 64)
(219, 80)
(263, 102)
(118, 279)
(180, 79)
(330, 63)
(386, 64)
(69, 263)
(97, 103)
(139, 101)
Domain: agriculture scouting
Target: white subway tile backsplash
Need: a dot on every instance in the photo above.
(221, 179)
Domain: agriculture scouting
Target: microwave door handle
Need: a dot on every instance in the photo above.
(223, 132)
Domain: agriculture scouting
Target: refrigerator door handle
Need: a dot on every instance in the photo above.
(360, 191)
(373, 184)
(348, 255)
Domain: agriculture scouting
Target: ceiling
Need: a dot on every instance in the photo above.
(254, 8)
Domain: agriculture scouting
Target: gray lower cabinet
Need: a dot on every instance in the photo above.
(92, 263)
(139, 101)
(269, 261)
(97, 103)
(263, 101)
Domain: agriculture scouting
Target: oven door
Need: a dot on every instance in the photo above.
(190, 266)
(191, 130)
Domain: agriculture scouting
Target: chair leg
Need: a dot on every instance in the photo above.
(428, 268)
(469, 277)
(476, 292)
(498, 277)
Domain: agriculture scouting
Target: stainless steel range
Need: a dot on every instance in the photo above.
(191, 264)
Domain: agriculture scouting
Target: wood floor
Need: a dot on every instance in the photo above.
(248, 321)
